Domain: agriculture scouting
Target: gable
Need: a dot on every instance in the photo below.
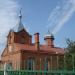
(5, 52)
(23, 32)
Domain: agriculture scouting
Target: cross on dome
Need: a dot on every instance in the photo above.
(20, 25)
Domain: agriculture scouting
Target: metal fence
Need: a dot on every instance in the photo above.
(37, 72)
(64, 66)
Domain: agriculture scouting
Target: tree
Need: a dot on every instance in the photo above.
(70, 46)
(70, 54)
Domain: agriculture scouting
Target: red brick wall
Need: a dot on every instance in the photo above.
(22, 37)
(15, 59)
(39, 60)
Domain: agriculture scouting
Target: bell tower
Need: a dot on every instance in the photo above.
(19, 33)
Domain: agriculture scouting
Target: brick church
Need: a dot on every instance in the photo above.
(21, 53)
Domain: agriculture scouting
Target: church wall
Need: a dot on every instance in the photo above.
(15, 59)
(39, 59)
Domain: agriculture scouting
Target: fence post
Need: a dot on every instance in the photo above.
(5, 69)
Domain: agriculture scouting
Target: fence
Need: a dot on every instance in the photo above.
(67, 68)
(38, 72)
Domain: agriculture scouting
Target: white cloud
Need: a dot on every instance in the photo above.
(54, 12)
(63, 14)
(52, 20)
(8, 13)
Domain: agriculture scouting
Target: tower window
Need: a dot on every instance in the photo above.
(9, 39)
(22, 40)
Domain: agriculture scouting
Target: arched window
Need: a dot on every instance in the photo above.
(30, 64)
(9, 66)
(46, 64)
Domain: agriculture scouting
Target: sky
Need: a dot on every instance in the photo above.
(56, 16)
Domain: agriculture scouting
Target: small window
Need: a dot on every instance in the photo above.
(9, 39)
(22, 40)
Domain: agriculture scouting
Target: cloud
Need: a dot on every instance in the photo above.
(52, 16)
(54, 12)
(62, 14)
(8, 17)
